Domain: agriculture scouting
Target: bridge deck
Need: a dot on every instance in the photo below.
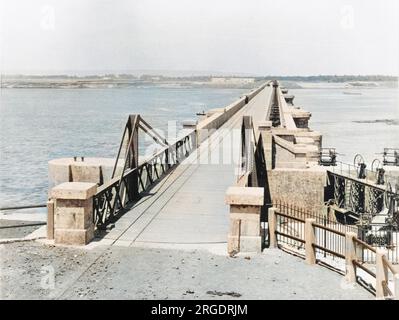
(187, 206)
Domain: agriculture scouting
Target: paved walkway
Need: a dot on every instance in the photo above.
(187, 207)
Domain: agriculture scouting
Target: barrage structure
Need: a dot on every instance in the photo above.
(252, 174)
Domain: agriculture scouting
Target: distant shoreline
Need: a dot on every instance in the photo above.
(230, 82)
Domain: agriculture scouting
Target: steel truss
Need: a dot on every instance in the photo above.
(127, 187)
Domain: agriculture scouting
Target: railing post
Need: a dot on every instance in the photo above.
(350, 255)
(50, 219)
(396, 285)
(381, 273)
(310, 240)
(272, 224)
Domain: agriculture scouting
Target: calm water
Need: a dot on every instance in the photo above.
(334, 113)
(42, 124)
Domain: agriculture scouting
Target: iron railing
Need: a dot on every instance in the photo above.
(331, 244)
(380, 237)
(291, 221)
(369, 176)
(122, 191)
(384, 286)
(330, 234)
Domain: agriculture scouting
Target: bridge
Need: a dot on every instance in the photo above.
(252, 174)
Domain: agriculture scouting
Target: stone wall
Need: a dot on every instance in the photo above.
(303, 188)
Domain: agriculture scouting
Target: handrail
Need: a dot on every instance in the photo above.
(364, 244)
(339, 255)
(24, 207)
(350, 252)
(290, 236)
(365, 269)
(290, 217)
(328, 229)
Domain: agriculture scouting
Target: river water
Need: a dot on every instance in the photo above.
(42, 124)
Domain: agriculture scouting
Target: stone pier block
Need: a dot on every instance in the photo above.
(244, 196)
(74, 190)
(245, 229)
(247, 244)
(73, 214)
(73, 237)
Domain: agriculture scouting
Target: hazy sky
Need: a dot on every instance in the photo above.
(265, 37)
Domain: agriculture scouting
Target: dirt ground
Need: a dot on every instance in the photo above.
(33, 270)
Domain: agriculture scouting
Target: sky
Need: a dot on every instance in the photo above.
(285, 37)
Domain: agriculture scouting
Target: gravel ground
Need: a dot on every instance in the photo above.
(146, 273)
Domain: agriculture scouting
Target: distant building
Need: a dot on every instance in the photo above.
(231, 80)
(147, 77)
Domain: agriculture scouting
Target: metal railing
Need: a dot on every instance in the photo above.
(383, 237)
(371, 203)
(251, 155)
(360, 248)
(117, 195)
(329, 232)
(33, 206)
(329, 241)
(296, 230)
(369, 176)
